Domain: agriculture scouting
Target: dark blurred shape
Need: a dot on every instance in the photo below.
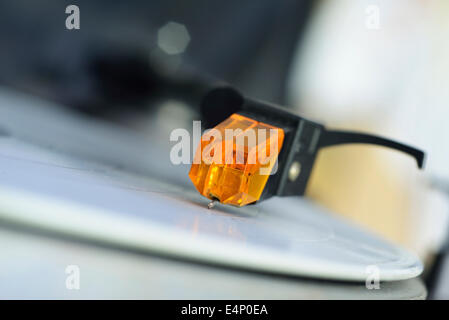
(219, 104)
(114, 63)
(437, 275)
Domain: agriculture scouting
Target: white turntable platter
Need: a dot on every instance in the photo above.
(291, 236)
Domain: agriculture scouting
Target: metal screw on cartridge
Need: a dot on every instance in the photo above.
(294, 171)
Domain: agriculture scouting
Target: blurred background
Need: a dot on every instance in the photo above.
(376, 66)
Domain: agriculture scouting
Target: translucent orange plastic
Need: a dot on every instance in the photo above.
(234, 166)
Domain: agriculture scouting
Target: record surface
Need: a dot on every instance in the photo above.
(292, 236)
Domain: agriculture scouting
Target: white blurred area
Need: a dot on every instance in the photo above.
(390, 79)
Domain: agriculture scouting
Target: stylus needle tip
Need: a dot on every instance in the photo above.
(211, 204)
